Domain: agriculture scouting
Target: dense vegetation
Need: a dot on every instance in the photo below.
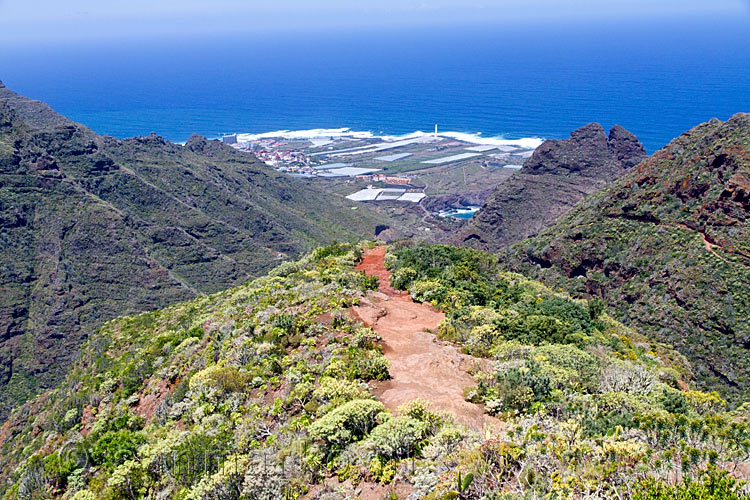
(93, 227)
(263, 392)
(183, 400)
(594, 410)
(668, 248)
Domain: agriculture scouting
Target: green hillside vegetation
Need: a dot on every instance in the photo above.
(592, 406)
(264, 391)
(94, 227)
(666, 247)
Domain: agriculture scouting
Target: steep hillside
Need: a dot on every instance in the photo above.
(95, 227)
(668, 247)
(268, 391)
(558, 175)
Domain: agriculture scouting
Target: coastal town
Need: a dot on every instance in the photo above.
(402, 169)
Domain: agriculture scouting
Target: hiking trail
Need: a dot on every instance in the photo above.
(421, 366)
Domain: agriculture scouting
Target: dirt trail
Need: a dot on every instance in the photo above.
(421, 366)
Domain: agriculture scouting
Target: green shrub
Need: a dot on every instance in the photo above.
(539, 329)
(402, 278)
(337, 249)
(571, 313)
(674, 401)
(442, 260)
(581, 369)
(399, 437)
(287, 322)
(126, 421)
(57, 469)
(595, 307)
(712, 484)
(420, 409)
(347, 423)
(133, 374)
(369, 365)
(126, 481)
(428, 291)
(518, 388)
(382, 470)
(332, 392)
(367, 282)
(198, 455)
(365, 338)
(83, 495)
(627, 377)
(114, 447)
(226, 379)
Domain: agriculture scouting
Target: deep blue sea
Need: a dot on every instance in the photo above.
(656, 78)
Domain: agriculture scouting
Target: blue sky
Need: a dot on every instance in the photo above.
(55, 21)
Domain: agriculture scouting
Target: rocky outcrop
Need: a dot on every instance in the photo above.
(558, 175)
(668, 247)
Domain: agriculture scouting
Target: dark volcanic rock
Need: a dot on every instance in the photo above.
(668, 247)
(558, 175)
(196, 143)
(439, 203)
(626, 147)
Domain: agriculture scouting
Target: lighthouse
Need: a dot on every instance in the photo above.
(436, 130)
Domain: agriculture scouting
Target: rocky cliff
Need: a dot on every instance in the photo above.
(558, 175)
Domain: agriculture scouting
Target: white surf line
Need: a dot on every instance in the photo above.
(324, 134)
(478, 139)
(448, 159)
(315, 133)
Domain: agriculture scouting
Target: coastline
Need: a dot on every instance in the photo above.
(319, 135)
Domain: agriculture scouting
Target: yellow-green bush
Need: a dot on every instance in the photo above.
(347, 423)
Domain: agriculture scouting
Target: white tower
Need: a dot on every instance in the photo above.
(436, 130)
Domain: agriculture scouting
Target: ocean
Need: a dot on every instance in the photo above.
(656, 78)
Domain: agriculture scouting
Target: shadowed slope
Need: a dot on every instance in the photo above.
(558, 175)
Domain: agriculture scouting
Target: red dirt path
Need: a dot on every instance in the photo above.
(421, 366)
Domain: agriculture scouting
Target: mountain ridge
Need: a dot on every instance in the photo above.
(95, 227)
(558, 175)
(667, 245)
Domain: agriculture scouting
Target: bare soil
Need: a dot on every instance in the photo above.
(421, 366)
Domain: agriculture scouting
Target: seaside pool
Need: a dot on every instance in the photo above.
(460, 213)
